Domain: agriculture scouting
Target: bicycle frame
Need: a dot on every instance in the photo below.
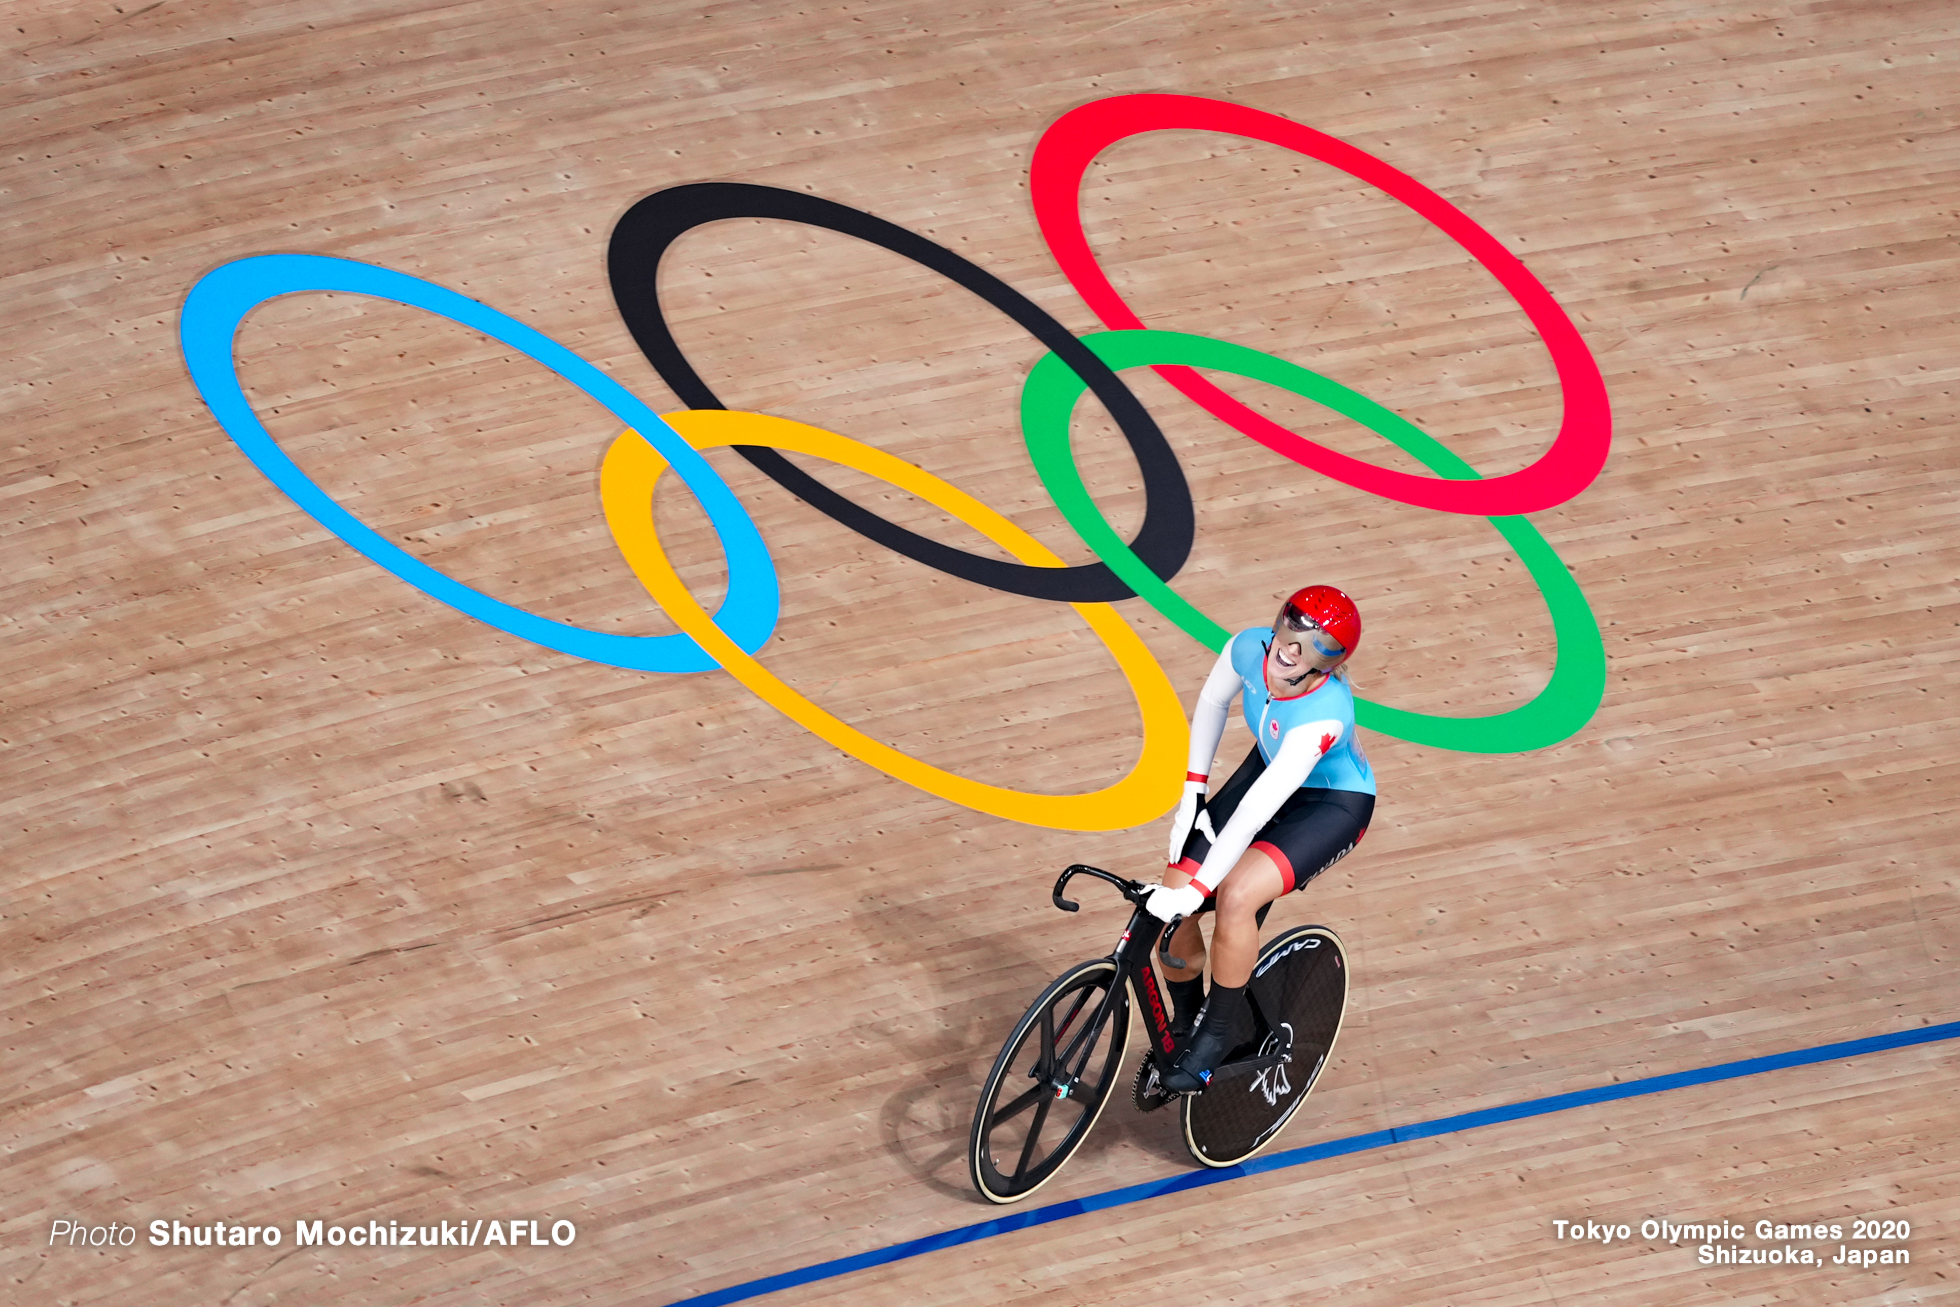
(1068, 1022)
(1132, 959)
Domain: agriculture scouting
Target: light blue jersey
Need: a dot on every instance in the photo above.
(1345, 766)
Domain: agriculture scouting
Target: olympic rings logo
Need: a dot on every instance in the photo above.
(1142, 567)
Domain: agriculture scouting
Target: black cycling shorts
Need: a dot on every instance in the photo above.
(1313, 829)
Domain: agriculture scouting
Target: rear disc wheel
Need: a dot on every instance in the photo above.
(1302, 975)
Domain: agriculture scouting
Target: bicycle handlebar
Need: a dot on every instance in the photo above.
(1132, 890)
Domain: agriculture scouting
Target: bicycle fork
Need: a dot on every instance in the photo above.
(1132, 959)
(1061, 1066)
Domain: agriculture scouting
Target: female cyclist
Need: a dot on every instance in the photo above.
(1297, 805)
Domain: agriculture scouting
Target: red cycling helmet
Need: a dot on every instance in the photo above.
(1330, 610)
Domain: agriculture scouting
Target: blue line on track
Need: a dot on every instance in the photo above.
(1137, 1193)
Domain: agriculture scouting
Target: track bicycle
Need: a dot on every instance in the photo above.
(1061, 1062)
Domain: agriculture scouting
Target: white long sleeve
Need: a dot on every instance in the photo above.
(1302, 747)
(1208, 718)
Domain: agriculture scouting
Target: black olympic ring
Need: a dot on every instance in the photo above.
(644, 233)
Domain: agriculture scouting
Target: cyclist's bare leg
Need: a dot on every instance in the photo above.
(1189, 941)
(1254, 882)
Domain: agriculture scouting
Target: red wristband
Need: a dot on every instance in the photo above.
(1193, 776)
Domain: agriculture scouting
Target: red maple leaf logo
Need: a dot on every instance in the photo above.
(1326, 743)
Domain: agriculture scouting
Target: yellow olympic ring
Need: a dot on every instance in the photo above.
(626, 485)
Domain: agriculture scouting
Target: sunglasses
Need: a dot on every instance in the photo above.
(1298, 622)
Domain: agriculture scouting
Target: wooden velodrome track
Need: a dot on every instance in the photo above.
(325, 901)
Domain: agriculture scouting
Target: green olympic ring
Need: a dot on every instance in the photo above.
(1578, 681)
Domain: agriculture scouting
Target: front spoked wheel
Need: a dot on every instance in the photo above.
(1051, 1081)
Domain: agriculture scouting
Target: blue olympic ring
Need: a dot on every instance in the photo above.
(218, 304)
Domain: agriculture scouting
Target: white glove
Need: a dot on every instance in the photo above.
(1165, 902)
(1187, 814)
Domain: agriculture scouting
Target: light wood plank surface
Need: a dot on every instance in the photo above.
(327, 902)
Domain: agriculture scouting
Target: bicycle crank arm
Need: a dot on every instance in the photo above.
(1255, 1063)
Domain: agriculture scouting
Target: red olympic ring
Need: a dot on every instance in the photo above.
(1061, 158)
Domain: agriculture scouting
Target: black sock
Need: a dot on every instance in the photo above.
(1213, 1039)
(1186, 996)
(1223, 1006)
